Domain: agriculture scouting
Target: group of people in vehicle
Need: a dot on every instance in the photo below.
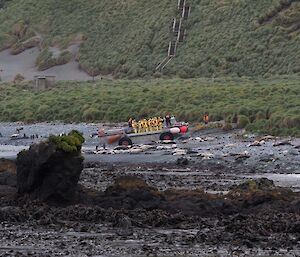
(146, 125)
(155, 124)
(152, 124)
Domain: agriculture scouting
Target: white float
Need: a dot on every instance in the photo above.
(175, 130)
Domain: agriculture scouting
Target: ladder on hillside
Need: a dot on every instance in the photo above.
(178, 33)
(177, 28)
(181, 4)
(164, 63)
(186, 12)
(169, 58)
(181, 36)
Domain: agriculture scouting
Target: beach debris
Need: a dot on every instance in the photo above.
(267, 138)
(257, 143)
(179, 151)
(281, 143)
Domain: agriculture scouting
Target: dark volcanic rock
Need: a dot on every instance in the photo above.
(8, 173)
(182, 161)
(8, 179)
(48, 173)
(258, 184)
(130, 193)
(261, 194)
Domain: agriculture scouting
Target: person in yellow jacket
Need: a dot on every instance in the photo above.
(155, 123)
(135, 126)
(145, 125)
(160, 123)
(150, 124)
(141, 126)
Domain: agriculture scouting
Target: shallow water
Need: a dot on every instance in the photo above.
(10, 151)
(283, 180)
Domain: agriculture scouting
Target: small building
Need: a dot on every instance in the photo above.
(43, 82)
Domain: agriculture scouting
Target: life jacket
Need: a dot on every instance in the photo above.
(145, 122)
(134, 124)
(160, 120)
(141, 125)
(150, 122)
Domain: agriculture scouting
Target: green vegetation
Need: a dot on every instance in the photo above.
(18, 78)
(3, 3)
(242, 121)
(266, 106)
(64, 57)
(46, 60)
(68, 143)
(129, 38)
(262, 188)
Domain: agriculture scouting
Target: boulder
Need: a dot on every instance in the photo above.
(130, 192)
(259, 191)
(50, 170)
(8, 179)
(182, 161)
(251, 185)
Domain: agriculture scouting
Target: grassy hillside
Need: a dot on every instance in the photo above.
(268, 106)
(130, 37)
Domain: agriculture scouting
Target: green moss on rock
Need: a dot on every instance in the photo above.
(68, 143)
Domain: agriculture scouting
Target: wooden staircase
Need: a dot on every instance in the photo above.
(169, 58)
(178, 33)
(164, 63)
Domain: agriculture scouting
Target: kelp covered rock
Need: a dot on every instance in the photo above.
(49, 171)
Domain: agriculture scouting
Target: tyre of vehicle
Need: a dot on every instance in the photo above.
(166, 136)
(125, 141)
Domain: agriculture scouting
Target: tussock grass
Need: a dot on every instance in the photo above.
(266, 106)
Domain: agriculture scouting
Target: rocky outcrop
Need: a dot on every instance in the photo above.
(182, 161)
(8, 179)
(131, 193)
(50, 171)
(261, 193)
